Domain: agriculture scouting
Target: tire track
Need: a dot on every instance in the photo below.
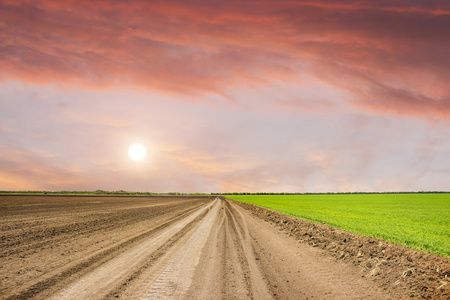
(216, 259)
(176, 279)
(257, 283)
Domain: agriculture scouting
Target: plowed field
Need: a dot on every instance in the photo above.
(92, 247)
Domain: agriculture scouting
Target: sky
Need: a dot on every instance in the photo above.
(227, 96)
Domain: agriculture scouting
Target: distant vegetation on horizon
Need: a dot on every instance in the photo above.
(101, 192)
(123, 192)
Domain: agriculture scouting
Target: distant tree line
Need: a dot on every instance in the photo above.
(128, 193)
(103, 192)
(332, 193)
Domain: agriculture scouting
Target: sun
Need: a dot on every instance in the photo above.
(137, 152)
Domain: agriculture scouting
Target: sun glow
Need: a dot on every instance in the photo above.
(137, 152)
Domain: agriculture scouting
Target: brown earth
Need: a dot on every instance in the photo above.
(55, 247)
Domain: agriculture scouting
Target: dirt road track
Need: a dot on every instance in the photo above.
(208, 249)
(164, 248)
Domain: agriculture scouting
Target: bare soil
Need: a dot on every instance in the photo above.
(91, 247)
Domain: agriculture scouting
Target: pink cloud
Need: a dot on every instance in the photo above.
(389, 55)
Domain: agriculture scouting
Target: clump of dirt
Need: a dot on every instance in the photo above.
(407, 271)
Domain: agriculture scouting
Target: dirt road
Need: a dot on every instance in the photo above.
(160, 248)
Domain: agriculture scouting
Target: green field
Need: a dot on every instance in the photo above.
(420, 221)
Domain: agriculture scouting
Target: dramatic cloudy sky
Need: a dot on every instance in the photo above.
(236, 95)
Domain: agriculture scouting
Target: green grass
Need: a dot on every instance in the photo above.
(419, 221)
